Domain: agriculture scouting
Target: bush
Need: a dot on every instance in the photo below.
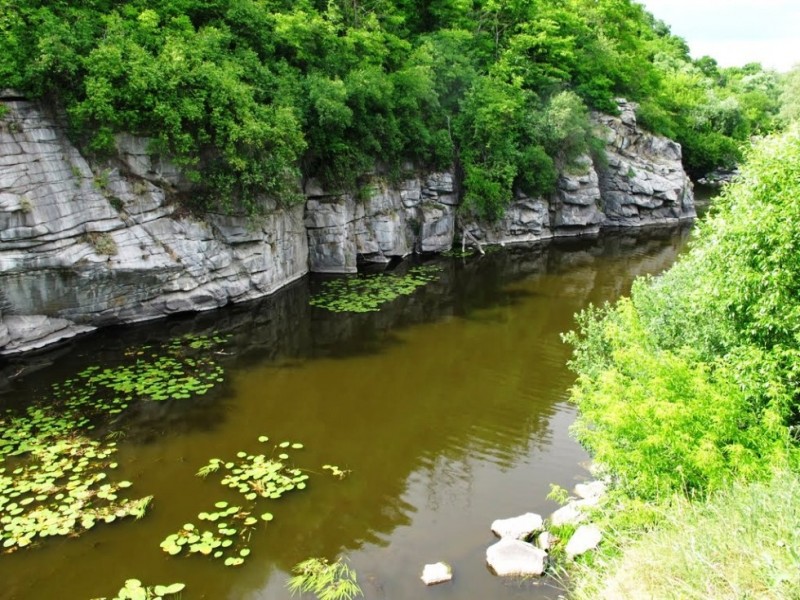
(692, 383)
(664, 421)
(537, 172)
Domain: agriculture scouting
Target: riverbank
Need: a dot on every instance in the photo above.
(89, 244)
(687, 395)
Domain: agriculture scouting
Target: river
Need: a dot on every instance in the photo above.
(446, 410)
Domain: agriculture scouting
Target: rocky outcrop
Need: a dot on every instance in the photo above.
(576, 205)
(82, 245)
(642, 180)
(415, 215)
(719, 178)
(637, 181)
(86, 244)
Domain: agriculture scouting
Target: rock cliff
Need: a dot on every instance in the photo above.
(643, 182)
(80, 248)
(84, 245)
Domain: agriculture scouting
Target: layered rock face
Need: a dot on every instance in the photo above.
(639, 181)
(643, 182)
(79, 249)
(417, 214)
(84, 245)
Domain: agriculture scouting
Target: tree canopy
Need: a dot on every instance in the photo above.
(247, 95)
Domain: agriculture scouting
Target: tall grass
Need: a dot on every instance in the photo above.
(743, 543)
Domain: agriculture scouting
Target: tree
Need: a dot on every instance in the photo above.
(790, 96)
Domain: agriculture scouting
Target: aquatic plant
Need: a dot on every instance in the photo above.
(54, 480)
(336, 471)
(255, 477)
(227, 542)
(366, 293)
(327, 581)
(178, 370)
(57, 488)
(135, 590)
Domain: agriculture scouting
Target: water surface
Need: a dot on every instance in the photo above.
(449, 408)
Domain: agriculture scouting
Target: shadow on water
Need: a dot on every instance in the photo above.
(447, 406)
(283, 328)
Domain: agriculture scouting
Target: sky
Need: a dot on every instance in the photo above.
(736, 32)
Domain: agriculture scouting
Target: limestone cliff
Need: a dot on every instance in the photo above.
(84, 245)
(82, 248)
(643, 182)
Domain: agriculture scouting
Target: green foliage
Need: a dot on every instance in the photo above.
(558, 494)
(692, 383)
(366, 293)
(664, 421)
(790, 96)
(245, 95)
(712, 112)
(689, 388)
(135, 590)
(255, 477)
(327, 581)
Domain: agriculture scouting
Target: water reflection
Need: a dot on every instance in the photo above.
(448, 407)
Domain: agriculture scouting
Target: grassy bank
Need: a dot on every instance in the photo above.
(742, 543)
(688, 398)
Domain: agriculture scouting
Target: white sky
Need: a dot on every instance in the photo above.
(736, 32)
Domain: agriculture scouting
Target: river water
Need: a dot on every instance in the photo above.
(448, 409)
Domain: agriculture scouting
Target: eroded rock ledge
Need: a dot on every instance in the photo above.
(85, 245)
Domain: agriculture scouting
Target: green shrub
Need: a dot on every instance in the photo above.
(692, 382)
(537, 172)
(666, 421)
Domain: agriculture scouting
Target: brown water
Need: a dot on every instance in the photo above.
(449, 407)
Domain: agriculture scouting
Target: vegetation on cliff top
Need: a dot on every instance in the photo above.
(249, 94)
(691, 384)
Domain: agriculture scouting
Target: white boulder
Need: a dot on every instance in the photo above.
(545, 541)
(436, 573)
(590, 489)
(569, 514)
(514, 557)
(518, 528)
(587, 537)
(573, 512)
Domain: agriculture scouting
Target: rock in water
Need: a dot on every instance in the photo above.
(513, 557)
(436, 573)
(518, 528)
